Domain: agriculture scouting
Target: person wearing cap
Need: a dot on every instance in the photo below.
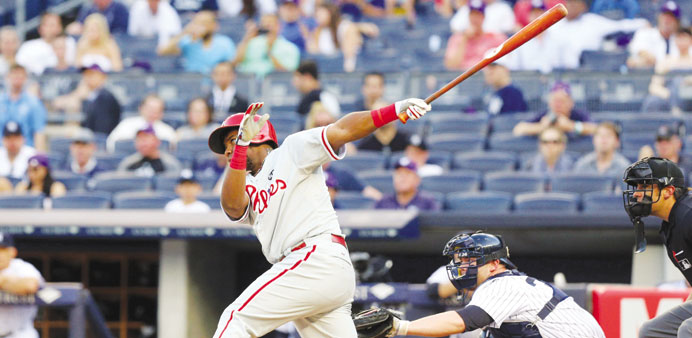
(417, 151)
(17, 104)
(668, 145)
(20, 278)
(561, 114)
(151, 111)
(14, 154)
(605, 158)
(153, 18)
(39, 180)
(37, 55)
(652, 44)
(465, 48)
(149, 160)
(499, 17)
(551, 157)
(187, 189)
(507, 98)
(82, 149)
(406, 194)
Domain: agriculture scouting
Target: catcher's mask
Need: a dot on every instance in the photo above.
(641, 177)
(468, 252)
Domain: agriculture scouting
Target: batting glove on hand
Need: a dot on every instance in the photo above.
(251, 126)
(414, 108)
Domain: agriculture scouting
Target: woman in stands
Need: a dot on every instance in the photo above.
(199, 121)
(40, 180)
(96, 46)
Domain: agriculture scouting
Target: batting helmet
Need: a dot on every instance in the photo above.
(480, 248)
(216, 138)
(641, 176)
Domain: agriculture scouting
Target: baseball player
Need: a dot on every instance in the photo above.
(21, 278)
(656, 186)
(504, 301)
(281, 193)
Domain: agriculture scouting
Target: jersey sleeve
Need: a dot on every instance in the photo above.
(499, 298)
(310, 149)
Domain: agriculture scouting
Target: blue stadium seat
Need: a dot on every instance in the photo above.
(112, 181)
(648, 123)
(71, 180)
(278, 90)
(456, 142)
(510, 143)
(505, 123)
(514, 182)
(363, 160)
(636, 141)
(21, 202)
(601, 61)
(192, 146)
(479, 201)
(459, 123)
(580, 183)
(108, 161)
(290, 123)
(56, 160)
(602, 202)
(353, 200)
(486, 161)
(60, 145)
(582, 144)
(168, 182)
(378, 179)
(466, 180)
(127, 147)
(213, 200)
(141, 200)
(175, 119)
(440, 157)
(563, 203)
(83, 200)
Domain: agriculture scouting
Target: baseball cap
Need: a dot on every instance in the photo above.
(405, 162)
(6, 240)
(187, 176)
(94, 66)
(149, 129)
(84, 135)
(11, 129)
(39, 160)
(331, 181)
(538, 4)
(418, 141)
(666, 132)
(477, 5)
(561, 86)
(672, 8)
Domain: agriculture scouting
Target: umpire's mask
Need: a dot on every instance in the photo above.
(468, 252)
(641, 177)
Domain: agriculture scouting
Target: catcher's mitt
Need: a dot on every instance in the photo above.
(376, 323)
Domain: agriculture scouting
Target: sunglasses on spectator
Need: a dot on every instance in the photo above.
(555, 141)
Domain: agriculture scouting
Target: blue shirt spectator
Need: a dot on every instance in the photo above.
(421, 201)
(507, 98)
(406, 194)
(629, 8)
(27, 110)
(346, 181)
(116, 14)
(551, 157)
(200, 58)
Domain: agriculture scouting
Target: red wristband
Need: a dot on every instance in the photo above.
(239, 159)
(383, 115)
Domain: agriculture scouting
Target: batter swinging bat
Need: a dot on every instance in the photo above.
(527, 33)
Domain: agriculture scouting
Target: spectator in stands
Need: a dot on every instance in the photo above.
(101, 108)
(294, 27)
(82, 151)
(39, 180)
(39, 54)
(211, 167)
(664, 95)
(224, 96)
(551, 158)
(467, 47)
(14, 154)
(538, 54)
(507, 97)
(371, 91)
(306, 80)
(347, 181)
(154, 18)
(97, 46)
(20, 278)
(263, 50)
(605, 159)
(628, 9)
(652, 44)
(246, 8)
(201, 48)
(64, 62)
(499, 17)
(199, 121)
(587, 31)
(387, 138)
(9, 44)
(114, 11)
(17, 104)
(149, 160)
(406, 194)
(319, 116)
(187, 189)
(669, 145)
(523, 8)
(417, 151)
(561, 114)
(151, 112)
(334, 34)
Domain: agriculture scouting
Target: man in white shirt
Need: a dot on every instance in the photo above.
(233, 8)
(499, 18)
(37, 55)
(14, 154)
(652, 44)
(149, 18)
(150, 113)
(187, 189)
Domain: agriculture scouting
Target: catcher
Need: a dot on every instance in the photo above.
(504, 301)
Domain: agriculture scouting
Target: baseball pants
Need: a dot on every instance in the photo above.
(675, 323)
(313, 287)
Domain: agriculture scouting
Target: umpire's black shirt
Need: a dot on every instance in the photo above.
(677, 236)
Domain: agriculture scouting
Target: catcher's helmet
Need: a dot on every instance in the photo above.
(641, 176)
(480, 249)
(266, 135)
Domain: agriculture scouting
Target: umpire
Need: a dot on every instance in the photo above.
(656, 186)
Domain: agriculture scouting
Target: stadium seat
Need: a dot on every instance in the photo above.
(167, 183)
(60, 145)
(466, 180)
(439, 157)
(353, 200)
(21, 202)
(363, 160)
(290, 123)
(379, 179)
(83, 200)
(479, 201)
(141, 200)
(56, 160)
(475, 124)
(456, 142)
(510, 143)
(192, 146)
(112, 181)
(582, 144)
(637, 140)
(486, 161)
(514, 182)
(563, 203)
(648, 123)
(602, 202)
(505, 123)
(213, 200)
(127, 147)
(580, 183)
(108, 161)
(71, 180)
(602, 61)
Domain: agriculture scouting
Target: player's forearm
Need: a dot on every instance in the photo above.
(438, 325)
(19, 286)
(234, 200)
(349, 128)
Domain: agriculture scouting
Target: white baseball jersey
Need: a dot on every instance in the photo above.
(18, 320)
(517, 298)
(289, 201)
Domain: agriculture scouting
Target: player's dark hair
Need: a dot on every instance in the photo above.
(378, 74)
(308, 67)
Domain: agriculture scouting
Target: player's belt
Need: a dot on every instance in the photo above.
(335, 238)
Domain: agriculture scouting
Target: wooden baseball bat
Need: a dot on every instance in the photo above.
(527, 33)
